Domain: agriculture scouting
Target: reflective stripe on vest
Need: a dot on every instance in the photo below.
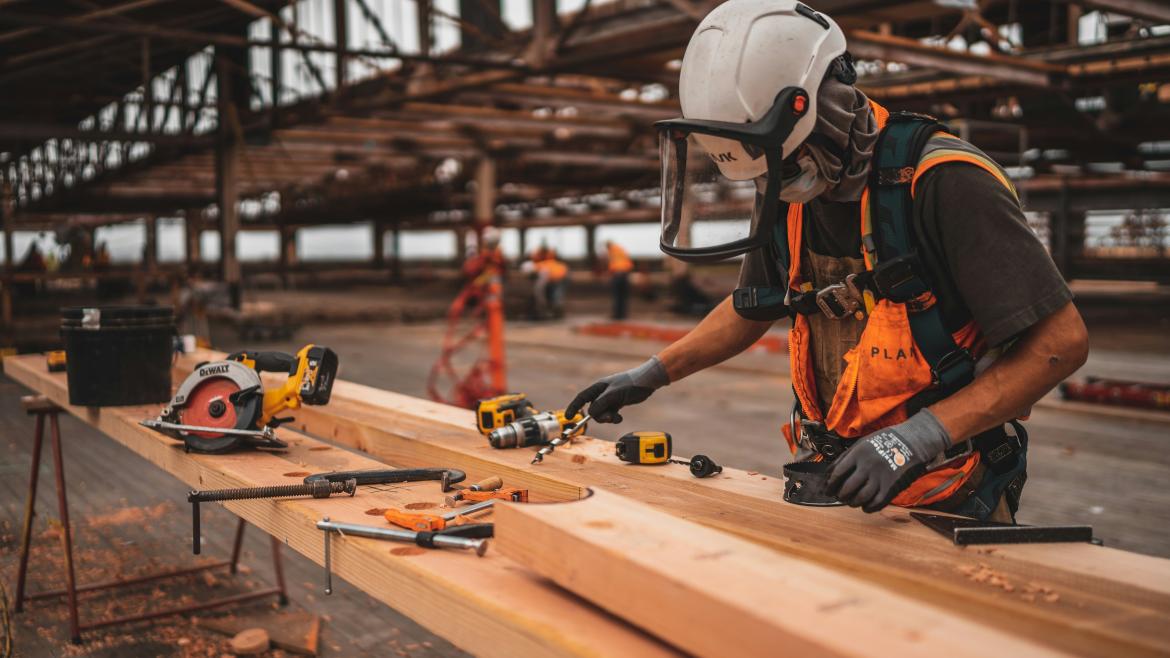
(885, 369)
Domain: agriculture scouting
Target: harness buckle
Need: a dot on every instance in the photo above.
(816, 437)
(838, 301)
(955, 452)
(898, 279)
(953, 370)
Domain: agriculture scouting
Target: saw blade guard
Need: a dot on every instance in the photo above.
(210, 397)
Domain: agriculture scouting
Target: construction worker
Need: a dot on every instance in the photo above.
(619, 266)
(925, 313)
(553, 276)
(487, 258)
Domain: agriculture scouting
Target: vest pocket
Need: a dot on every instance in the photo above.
(891, 369)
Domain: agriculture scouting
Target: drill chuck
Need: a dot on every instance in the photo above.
(534, 430)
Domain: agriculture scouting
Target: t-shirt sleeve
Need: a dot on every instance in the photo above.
(980, 241)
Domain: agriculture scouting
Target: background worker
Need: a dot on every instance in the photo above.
(619, 266)
(923, 319)
(554, 274)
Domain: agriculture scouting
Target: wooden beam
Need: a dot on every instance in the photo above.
(220, 39)
(1092, 582)
(544, 26)
(1153, 10)
(713, 595)
(871, 45)
(192, 232)
(8, 226)
(341, 42)
(288, 252)
(229, 145)
(150, 249)
(276, 60)
(379, 228)
(396, 254)
(425, 26)
(484, 210)
(36, 131)
(114, 10)
(492, 607)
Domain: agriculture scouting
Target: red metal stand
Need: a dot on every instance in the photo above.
(41, 407)
(481, 301)
(1118, 392)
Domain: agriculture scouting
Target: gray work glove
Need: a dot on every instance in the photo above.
(879, 467)
(611, 393)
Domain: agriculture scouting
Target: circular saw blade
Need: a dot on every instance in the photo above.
(210, 405)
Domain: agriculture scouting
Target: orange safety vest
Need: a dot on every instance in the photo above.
(885, 369)
(555, 269)
(619, 260)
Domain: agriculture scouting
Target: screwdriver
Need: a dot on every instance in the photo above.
(568, 433)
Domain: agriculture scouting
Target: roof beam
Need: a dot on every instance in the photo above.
(220, 39)
(871, 45)
(36, 132)
(97, 13)
(1154, 10)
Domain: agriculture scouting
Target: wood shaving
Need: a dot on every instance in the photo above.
(129, 515)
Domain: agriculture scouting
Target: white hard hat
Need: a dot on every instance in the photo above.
(491, 237)
(741, 56)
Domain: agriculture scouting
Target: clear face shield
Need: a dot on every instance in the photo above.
(710, 170)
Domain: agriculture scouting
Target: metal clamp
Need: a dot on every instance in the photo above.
(837, 301)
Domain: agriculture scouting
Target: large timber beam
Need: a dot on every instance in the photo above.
(1093, 582)
(713, 595)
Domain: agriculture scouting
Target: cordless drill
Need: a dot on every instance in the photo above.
(535, 430)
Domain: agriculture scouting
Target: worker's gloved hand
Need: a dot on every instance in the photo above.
(879, 467)
(609, 394)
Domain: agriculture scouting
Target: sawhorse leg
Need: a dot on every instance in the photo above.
(42, 408)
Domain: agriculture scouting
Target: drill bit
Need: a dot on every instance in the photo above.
(566, 434)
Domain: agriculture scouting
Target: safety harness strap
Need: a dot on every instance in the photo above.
(770, 302)
(895, 157)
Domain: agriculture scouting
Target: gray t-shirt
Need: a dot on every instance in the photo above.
(983, 260)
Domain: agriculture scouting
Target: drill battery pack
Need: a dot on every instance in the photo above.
(494, 413)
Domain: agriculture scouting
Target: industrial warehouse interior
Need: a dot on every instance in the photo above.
(584, 328)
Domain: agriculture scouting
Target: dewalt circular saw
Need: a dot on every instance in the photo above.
(222, 405)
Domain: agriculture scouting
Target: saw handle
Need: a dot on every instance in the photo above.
(268, 361)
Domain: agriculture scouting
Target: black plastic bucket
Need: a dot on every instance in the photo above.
(118, 355)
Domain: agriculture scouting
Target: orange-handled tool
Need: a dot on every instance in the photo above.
(513, 494)
(422, 522)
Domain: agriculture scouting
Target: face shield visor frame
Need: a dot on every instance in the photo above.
(689, 167)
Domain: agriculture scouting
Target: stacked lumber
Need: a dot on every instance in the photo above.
(709, 567)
